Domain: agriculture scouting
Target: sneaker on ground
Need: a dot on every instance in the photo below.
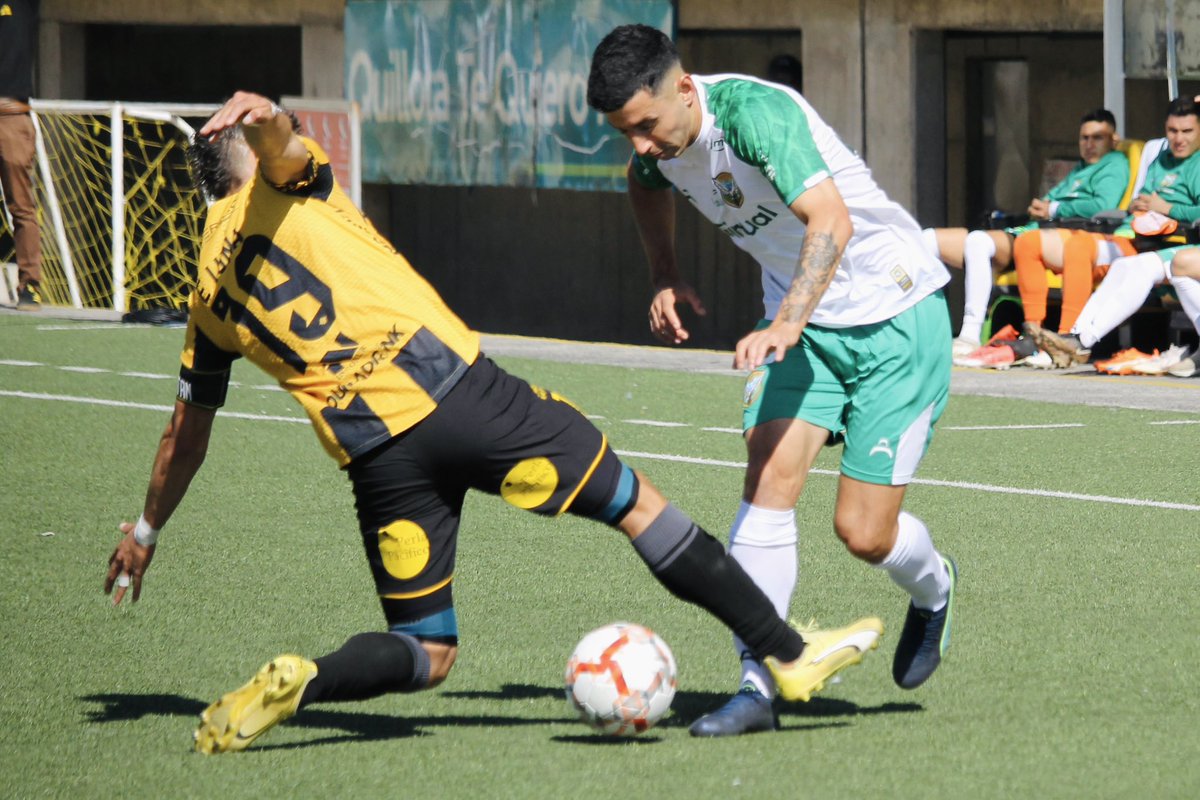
(1186, 368)
(1065, 349)
(1000, 354)
(925, 638)
(240, 717)
(1005, 334)
(992, 356)
(825, 654)
(28, 298)
(748, 711)
(1031, 329)
(1123, 361)
(1039, 360)
(963, 346)
(1161, 363)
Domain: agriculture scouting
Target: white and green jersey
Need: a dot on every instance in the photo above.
(760, 146)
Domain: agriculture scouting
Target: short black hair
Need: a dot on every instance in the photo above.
(211, 161)
(1183, 107)
(630, 58)
(1099, 115)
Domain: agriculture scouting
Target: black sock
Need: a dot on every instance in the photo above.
(368, 665)
(694, 567)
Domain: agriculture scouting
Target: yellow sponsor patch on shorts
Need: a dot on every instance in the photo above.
(405, 549)
(530, 483)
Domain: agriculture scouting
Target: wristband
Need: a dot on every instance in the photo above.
(143, 534)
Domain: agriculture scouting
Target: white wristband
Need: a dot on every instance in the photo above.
(144, 534)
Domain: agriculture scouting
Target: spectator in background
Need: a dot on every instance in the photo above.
(1096, 183)
(1170, 196)
(18, 26)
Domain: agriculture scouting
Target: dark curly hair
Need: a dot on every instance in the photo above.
(630, 58)
(211, 161)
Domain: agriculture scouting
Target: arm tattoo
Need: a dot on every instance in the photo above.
(819, 258)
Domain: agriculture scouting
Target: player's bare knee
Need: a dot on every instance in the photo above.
(865, 539)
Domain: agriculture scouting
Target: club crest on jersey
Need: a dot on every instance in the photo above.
(729, 190)
(901, 277)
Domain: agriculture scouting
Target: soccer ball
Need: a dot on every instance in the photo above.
(621, 679)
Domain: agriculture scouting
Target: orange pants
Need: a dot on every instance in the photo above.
(1080, 272)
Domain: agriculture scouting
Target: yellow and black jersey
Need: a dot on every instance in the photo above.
(298, 281)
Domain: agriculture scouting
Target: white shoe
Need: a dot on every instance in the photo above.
(1162, 362)
(1186, 367)
(1039, 360)
(963, 346)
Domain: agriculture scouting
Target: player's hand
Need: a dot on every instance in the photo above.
(243, 107)
(755, 347)
(1140, 203)
(1039, 208)
(664, 319)
(127, 565)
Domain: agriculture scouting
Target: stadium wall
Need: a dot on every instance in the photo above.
(888, 74)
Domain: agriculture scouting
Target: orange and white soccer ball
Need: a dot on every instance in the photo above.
(621, 679)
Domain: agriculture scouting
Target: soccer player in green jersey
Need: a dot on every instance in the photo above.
(855, 342)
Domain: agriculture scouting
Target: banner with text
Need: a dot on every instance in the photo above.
(486, 92)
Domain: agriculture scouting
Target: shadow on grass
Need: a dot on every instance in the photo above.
(357, 725)
(365, 726)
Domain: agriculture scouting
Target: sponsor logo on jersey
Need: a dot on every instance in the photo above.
(901, 277)
(729, 190)
(750, 226)
(1168, 180)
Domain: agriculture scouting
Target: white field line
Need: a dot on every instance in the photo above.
(1176, 422)
(1011, 427)
(654, 423)
(981, 487)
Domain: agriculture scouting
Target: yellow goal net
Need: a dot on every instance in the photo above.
(119, 217)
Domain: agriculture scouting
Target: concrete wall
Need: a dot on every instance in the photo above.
(61, 54)
(887, 74)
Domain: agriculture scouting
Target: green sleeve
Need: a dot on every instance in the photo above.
(769, 130)
(1105, 187)
(646, 173)
(1185, 201)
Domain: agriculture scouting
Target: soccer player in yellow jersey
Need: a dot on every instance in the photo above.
(294, 278)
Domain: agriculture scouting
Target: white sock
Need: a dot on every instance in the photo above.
(1119, 296)
(977, 282)
(1188, 290)
(763, 541)
(916, 567)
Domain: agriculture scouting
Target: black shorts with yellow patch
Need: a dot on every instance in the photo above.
(492, 432)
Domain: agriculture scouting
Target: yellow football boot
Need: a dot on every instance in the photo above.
(826, 652)
(240, 717)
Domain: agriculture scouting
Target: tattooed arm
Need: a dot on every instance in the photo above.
(829, 228)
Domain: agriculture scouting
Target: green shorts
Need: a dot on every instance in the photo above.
(882, 386)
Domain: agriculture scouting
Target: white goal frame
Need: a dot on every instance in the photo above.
(349, 163)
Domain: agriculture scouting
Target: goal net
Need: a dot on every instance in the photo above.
(120, 220)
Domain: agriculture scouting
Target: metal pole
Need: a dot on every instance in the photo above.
(1172, 64)
(1114, 60)
(118, 208)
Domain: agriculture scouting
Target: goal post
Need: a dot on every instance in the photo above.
(120, 219)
